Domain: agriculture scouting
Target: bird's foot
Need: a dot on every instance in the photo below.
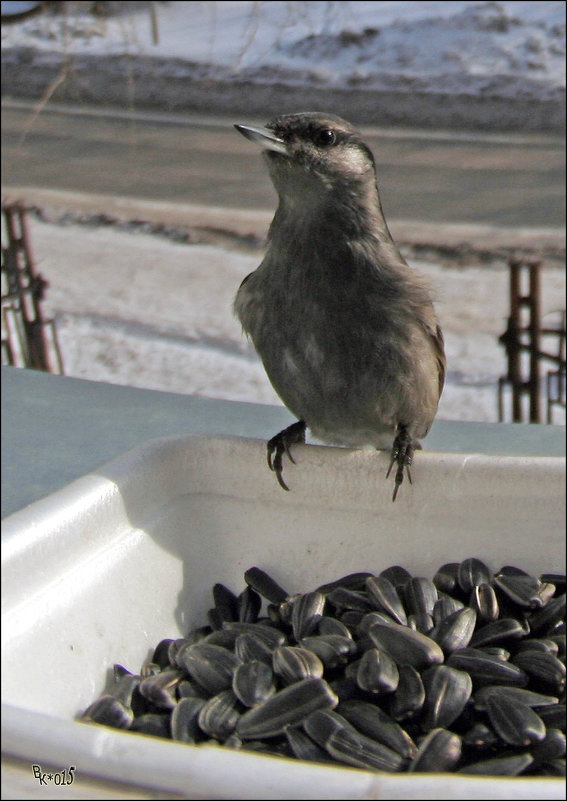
(280, 444)
(402, 454)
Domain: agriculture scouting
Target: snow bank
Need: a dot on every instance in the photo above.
(445, 64)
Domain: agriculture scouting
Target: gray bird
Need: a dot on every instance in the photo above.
(346, 330)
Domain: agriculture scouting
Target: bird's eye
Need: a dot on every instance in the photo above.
(324, 138)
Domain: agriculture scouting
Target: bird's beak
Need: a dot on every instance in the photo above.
(264, 138)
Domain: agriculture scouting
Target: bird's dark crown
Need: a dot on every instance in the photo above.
(308, 125)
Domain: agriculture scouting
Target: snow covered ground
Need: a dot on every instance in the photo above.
(375, 55)
(457, 45)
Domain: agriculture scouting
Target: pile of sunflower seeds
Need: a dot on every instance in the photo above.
(388, 672)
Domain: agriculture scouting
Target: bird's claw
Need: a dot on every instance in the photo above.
(280, 444)
(402, 454)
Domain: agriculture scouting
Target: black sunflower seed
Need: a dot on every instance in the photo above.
(331, 625)
(406, 646)
(306, 613)
(264, 584)
(447, 690)
(513, 765)
(152, 724)
(385, 595)
(484, 602)
(515, 723)
(446, 578)
(321, 723)
(444, 607)
(304, 747)
(248, 605)
(271, 636)
(371, 721)
(481, 737)
(484, 668)
(472, 572)
(551, 747)
(517, 694)
(455, 631)
(210, 665)
(108, 711)
(409, 697)
(253, 683)
(342, 598)
(287, 707)
(521, 590)
(397, 575)
(499, 631)
(161, 654)
(220, 714)
(293, 663)
(439, 751)
(355, 749)
(545, 670)
(553, 716)
(226, 602)
(353, 581)
(544, 620)
(332, 649)
(377, 672)
(184, 720)
(420, 596)
(248, 647)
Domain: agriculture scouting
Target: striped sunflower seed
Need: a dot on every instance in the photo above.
(517, 694)
(371, 721)
(210, 665)
(355, 749)
(293, 663)
(184, 720)
(285, 708)
(455, 631)
(515, 723)
(472, 572)
(385, 595)
(485, 668)
(447, 691)
(108, 711)
(406, 646)
(546, 671)
(304, 747)
(220, 714)
(306, 613)
(420, 596)
(253, 683)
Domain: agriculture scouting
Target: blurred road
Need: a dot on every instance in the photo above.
(444, 177)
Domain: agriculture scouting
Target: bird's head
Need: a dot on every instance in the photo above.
(313, 154)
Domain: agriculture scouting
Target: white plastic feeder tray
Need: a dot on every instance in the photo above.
(102, 570)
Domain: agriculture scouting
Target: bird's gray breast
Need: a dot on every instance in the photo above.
(327, 356)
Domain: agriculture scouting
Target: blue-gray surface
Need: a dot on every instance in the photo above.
(56, 429)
